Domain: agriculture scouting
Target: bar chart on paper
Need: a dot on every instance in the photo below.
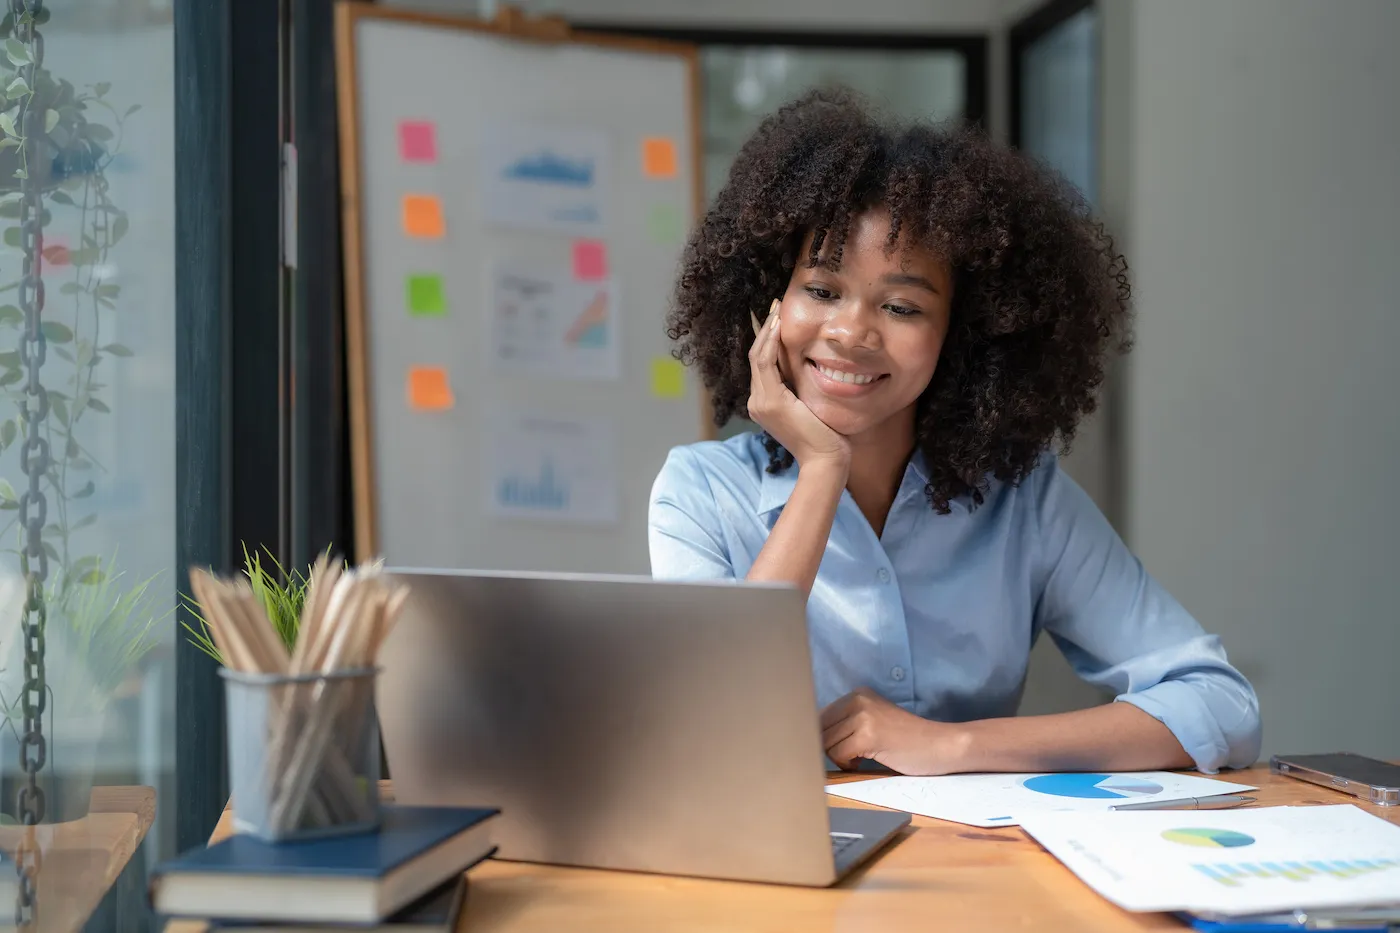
(552, 468)
(1229, 861)
(1238, 874)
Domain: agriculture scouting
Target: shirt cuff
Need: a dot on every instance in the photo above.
(1185, 712)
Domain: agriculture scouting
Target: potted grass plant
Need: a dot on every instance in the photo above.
(297, 655)
(281, 592)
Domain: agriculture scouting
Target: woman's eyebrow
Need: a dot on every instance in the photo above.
(904, 278)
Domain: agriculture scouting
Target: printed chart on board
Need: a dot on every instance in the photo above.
(1001, 799)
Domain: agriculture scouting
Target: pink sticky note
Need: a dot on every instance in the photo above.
(590, 260)
(417, 141)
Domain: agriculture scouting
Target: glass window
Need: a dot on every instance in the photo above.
(1058, 99)
(87, 448)
(743, 84)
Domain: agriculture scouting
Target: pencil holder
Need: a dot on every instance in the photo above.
(303, 753)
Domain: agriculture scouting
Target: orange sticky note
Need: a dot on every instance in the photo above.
(659, 157)
(422, 216)
(428, 389)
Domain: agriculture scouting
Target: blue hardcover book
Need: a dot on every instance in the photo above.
(350, 879)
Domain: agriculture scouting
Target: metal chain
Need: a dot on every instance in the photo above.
(34, 460)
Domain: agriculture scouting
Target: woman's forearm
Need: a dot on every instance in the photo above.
(1112, 737)
(795, 546)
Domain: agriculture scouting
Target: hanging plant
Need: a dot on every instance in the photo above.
(97, 626)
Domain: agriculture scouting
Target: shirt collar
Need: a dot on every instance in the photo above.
(776, 488)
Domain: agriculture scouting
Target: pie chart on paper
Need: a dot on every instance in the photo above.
(1091, 786)
(1208, 838)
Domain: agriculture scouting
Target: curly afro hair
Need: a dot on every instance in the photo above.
(1040, 296)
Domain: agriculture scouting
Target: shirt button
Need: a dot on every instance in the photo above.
(883, 574)
(897, 673)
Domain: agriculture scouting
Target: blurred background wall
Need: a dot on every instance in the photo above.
(1250, 163)
(1243, 152)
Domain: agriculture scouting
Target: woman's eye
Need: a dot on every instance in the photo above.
(819, 293)
(901, 310)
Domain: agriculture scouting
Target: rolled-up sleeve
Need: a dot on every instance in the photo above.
(1121, 631)
(684, 535)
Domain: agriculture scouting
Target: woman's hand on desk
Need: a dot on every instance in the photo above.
(863, 724)
(1110, 737)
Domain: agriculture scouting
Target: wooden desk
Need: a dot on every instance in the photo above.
(83, 858)
(936, 876)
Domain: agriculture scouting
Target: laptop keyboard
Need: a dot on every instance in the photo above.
(840, 842)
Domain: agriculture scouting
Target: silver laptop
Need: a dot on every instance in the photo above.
(620, 723)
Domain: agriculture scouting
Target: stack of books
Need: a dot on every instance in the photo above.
(408, 875)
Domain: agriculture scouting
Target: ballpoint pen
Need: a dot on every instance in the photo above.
(1218, 802)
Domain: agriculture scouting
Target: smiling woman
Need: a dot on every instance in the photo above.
(862, 336)
(937, 313)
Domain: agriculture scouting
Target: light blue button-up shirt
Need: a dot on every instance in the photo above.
(939, 613)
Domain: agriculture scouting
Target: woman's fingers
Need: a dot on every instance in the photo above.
(766, 377)
(772, 342)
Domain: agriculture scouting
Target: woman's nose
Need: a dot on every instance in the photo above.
(851, 324)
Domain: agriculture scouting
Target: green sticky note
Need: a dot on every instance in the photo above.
(425, 295)
(664, 224)
(667, 378)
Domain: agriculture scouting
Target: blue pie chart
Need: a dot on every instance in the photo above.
(1091, 786)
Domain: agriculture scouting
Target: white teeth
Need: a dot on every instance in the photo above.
(859, 379)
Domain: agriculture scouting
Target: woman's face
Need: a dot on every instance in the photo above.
(860, 343)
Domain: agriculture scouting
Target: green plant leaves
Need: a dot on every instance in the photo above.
(9, 314)
(88, 570)
(83, 493)
(17, 88)
(50, 120)
(56, 332)
(115, 349)
(7, 492)
(96, 404)
(8, 430)
(18, 54)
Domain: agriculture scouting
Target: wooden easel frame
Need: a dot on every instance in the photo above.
(509, 22)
